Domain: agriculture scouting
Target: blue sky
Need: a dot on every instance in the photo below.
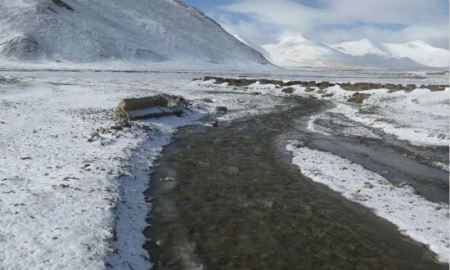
(331, 21)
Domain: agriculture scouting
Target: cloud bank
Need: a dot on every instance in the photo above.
(332, 21)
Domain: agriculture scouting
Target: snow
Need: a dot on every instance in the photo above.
(420, 117)
(389, 112)
(64, 200)
(69, 203)
(163, 33)
(297, 51)
(416, 217)
(420, 52)
(360, 47)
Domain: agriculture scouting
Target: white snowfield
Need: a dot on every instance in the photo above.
(68, 177)
(416, 217)
(61, 195)
(161, 33)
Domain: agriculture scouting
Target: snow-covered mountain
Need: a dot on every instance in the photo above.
(298, 51)
(294, 52)
(417, 51)
(360, 47)
(420, 52)
(145, 31)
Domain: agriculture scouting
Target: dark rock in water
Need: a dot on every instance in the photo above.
(148, 107)
(221, 109)
(358, 98)
(22, 48)
(288, 90)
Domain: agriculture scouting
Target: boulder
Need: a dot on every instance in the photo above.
(358, 98)
(149, 107)
(221, 109)
(288, 90)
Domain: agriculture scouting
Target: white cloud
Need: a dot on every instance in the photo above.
(340, 20)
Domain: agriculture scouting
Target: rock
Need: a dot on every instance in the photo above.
(233, 171)
(221, 109)
(22, 48)
(360, 86)
(328, 95)
(436, 87)
(367, 185)
(207, 100)
(439, 207)
(148, 107)
(401, 184)
(288, 90)
(60, 3)
(324, 85)
(358, 98)
(309, 89)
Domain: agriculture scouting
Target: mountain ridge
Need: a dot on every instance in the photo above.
(297, 51)
(83, 31)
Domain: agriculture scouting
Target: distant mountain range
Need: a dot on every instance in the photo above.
(295, 52)
(153, 32)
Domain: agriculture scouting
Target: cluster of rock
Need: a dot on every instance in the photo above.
(4, 80)
(360, 86)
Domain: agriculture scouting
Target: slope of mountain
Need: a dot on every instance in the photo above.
(360, 47)
(86, 31)
(417, 51)
(298, 51)
(420, 52)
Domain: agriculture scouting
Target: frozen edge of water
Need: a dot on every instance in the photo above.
(422, 220)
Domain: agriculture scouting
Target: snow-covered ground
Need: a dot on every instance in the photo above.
(416, 217)
(420, 116)
(72, 182)
(66, 170)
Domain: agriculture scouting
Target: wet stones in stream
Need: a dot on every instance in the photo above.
(236, 203)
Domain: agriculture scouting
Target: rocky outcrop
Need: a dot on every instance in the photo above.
(148, 107)
(358, 98)
(22, 48)
(311, 85)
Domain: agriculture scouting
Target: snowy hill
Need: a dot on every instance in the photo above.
(295, 52)
(417, 51)
(360, 47)
(298, 51)
(136, 31)
(420, 52)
